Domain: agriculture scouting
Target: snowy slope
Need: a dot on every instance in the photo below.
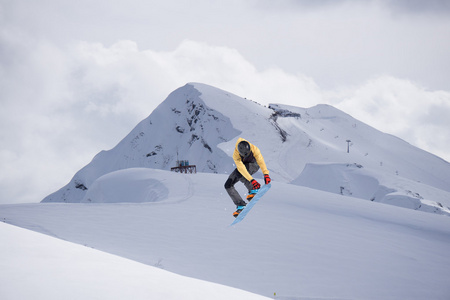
(297, 242)
(36, 266)
(328, 130)
(201, 124)
(374, 185)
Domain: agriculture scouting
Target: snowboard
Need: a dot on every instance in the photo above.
(252, 203)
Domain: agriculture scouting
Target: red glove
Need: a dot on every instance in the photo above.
(267, 179)
(256, 185)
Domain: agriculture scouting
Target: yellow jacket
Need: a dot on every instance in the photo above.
(240, 164)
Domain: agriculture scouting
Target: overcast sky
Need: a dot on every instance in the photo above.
(77, 76)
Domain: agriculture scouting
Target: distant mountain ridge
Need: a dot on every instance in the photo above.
(201, 124)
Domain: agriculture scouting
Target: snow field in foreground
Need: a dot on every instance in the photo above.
(36, 266)
(296, 242)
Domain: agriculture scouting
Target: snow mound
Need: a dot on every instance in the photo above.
(137, 185)
(37, 266)
(355, 181)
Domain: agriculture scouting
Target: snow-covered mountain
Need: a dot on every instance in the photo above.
(201, 124)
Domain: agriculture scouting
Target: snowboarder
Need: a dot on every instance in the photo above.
(248, 160)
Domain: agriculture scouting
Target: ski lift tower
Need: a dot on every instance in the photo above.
(348, 146)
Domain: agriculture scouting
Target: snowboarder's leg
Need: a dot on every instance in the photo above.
(231, 190)
(234, 177)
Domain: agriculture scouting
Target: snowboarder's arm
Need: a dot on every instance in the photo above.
(240, 166)
(259, 159)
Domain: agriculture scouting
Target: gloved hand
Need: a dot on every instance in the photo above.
(256, 185)
(267, 178)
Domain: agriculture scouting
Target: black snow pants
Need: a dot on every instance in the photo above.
(234, 177)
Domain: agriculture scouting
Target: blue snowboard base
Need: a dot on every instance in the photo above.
(252, 203)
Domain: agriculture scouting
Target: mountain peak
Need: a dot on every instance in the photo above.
(201, 124)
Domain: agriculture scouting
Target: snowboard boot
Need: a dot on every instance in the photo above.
(251, 194)
(238, 211)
